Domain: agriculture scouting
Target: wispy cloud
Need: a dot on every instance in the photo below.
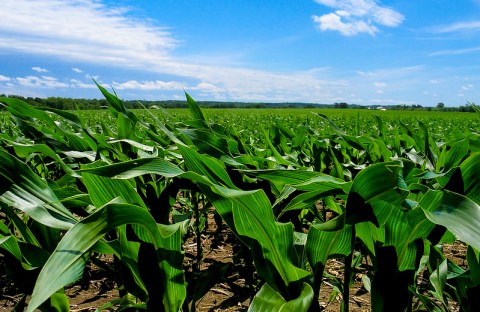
(75, 83)
(467, 87)
(166, 86)
(43, 81)
(352, 17)
(79, 29)
(148, 85)
(60, 20)
(455, 51)
(77, 70)
(458, 27)
(4, 78)
(39, 69)
(379, 84)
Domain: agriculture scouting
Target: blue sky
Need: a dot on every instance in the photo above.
(320, 51)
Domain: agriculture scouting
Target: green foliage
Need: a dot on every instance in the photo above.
(296, 188)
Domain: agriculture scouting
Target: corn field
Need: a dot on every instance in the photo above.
(381, 194)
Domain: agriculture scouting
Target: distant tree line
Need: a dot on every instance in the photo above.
(439, 107)
(63, 103)
(84, 104)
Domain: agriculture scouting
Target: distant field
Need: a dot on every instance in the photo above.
(344, 118)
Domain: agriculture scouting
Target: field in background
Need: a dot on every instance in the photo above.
(347, 119)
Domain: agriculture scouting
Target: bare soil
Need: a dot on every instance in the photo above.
(231, 293)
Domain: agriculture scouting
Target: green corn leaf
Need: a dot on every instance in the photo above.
(21, 188)
(134, 168)
(208, 166)
(24, 111)
(467, 180)
(331, 123)
(324, 244)
(459, 214)
(145, 147)
(34, 256)
(429, 153)
(307, 199)
(59, 302)
(401, 231)
(370, 234)
(303, 180)
(207, 142)
(24, 150)
(457, 152)
(268, 300)
(438, 279)
(278, 157)
(428, 303)
(195, 110)
(389, 187)
(67, 262)
(103, 190)
(473, 259)
(116, 104)
(31, 115)
(10, 244)
(20, 225)
(131, 169)
(249, 214)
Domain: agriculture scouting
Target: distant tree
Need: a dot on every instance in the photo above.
(440, 106)
(340, 105)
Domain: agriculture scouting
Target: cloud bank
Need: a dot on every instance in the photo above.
(90, 32)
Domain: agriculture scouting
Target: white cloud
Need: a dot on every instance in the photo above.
(77, 70)
(379, 84)
(434, 81)
(148, 85)
(458, 27)
(81, 29)
(43, 81)
(365, 73)
(333, 21)
(389, 74)
(207, 87)
(4, 78)
(467, 87)
(455, 52)
(74, 83)
(352, 17)
(39, 69)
